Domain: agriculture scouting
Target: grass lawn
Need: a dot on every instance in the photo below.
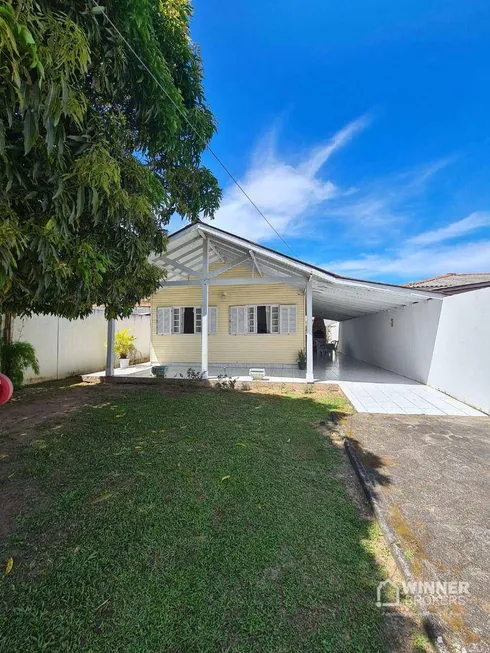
(189, 521)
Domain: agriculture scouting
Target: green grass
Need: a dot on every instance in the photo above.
(213, 521)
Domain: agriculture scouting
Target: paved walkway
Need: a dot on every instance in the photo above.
(370, 389)
(432, 477)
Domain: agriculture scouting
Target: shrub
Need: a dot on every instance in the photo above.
(124, 343)
(15, 358)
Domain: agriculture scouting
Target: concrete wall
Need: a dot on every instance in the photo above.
(65, 347)
(445, 344)
(401, 340)
(461, 360)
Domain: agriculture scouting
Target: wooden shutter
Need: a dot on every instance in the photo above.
(288, 319)
(164, 320)
(242, 324)
(283, 319)
(292, 319)
(213, 319)
(233, 320)
(237, 319)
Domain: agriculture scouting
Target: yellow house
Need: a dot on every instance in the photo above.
(227, 301)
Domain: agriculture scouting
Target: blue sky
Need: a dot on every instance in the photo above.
(361, 129)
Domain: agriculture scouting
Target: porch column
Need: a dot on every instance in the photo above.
(204, 309)
(109, 361)
(309, 331)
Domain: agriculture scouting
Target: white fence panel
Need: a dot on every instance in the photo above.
(65, 347)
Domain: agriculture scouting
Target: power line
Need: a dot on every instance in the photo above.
(208, 147)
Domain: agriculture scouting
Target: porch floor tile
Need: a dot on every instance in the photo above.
(370, 389)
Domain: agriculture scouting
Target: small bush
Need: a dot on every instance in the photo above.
(192, 375)
(225, 382)
(124, 343)
(15, 358)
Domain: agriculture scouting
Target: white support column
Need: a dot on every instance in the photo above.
(109, 361)
(204, 308)
(309, 331)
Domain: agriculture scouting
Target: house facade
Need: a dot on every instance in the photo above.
(228, 301)
(254, 324)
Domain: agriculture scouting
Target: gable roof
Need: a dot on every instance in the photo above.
(454, 282)
(335, 297)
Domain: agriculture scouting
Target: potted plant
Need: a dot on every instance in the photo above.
(301, 359)
(124, 346)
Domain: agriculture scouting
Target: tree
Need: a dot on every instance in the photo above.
(94, 156)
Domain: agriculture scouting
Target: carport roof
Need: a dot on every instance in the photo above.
(335, 297)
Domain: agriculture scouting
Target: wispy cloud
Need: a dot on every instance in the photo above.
(474, 221)
(287, 193)
(426, 254)
(384, 203)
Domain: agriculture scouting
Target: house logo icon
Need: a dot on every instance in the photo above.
(381, 594)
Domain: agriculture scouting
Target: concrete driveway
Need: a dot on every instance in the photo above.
(432, 476)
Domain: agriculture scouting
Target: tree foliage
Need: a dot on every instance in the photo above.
(94, 156)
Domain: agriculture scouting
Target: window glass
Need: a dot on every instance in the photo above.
(198, 321)
(262, 322)
(251, 319)
(188, 320)
(176, 320)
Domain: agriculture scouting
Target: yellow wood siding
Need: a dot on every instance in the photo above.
(224, 347)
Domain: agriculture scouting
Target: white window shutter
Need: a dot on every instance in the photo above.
(283, 319)
(213, 319)
(164, 315)
(292, 319)
(233, 320)
(241, 326)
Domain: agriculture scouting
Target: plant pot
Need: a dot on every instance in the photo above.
(123, 363)
(302, 366)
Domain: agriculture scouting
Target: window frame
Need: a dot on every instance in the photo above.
(269, 307)
(179, 311)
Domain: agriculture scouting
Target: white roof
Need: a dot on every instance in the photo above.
(334, 297)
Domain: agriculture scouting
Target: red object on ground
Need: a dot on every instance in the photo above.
(6, 389)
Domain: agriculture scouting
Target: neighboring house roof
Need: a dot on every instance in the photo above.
(453, 283)
(334, 297)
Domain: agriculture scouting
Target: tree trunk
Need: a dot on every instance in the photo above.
(7, 328)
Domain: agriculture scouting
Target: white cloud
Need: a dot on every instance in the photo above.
(284, 192)
(474, 221)
(424, 256)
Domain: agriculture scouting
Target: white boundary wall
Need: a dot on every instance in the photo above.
(445, 344)
(65, 347)
(461, 360)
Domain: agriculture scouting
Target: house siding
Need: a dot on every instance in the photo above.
(223, 347)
